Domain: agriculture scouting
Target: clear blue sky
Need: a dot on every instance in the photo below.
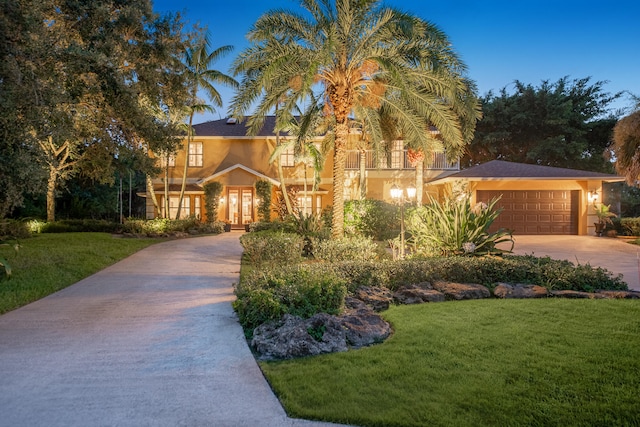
(500, 40)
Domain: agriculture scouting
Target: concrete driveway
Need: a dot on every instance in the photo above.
(150, 341)
(614, 254)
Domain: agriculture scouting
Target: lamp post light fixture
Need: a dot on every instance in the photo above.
(397, 194)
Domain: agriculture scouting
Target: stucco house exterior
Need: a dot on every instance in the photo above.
(535, 199)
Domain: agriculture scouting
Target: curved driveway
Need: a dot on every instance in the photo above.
(149, 341)
(614, 254)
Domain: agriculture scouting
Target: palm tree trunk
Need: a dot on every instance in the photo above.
(283, 188)
(339, 158)
(419, 182)
(363, 172)
(186, 165)
(166, 189)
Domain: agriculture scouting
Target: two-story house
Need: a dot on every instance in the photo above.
(535, 199)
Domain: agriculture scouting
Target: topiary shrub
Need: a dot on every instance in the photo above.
(263, 191)
(299, 290)
(212, 191)
(276, 247)
(81, 225)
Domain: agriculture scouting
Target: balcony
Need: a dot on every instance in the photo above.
(399, 161)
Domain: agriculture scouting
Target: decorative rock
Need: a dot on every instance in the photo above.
(620, 294)
(461, 291)
(364, 327)
(415, 294)
(505, 290)
(291, 337)
(576, 294)
(376, 298)
(352, 303)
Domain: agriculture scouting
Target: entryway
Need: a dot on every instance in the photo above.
(240, 206)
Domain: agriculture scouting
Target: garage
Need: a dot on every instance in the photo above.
(535, 211)
(536, 199)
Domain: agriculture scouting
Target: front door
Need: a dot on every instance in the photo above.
(240, 206)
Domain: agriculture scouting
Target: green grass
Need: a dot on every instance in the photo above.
(47, 263)
(551, 362)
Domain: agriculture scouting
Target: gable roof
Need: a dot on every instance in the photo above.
(242, 167)
(222, 128)
(501, 170)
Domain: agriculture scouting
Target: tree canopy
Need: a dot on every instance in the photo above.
(358, 55)
(563, 124)
(73, 76)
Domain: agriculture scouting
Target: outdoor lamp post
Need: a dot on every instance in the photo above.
(397, 194)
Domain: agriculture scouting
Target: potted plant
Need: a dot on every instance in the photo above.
(227, 226)
(604, 217)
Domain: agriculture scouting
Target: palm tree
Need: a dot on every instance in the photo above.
(358, 54)
(625, 147)
(200, 76)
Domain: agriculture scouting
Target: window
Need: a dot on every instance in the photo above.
(305, 207)
(195, 154)
(287, 158)
(196, 207)
(163, 160)
(173, 207)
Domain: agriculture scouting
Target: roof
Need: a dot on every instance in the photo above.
(241, 167)
(223, 128)
(174, 188)
(501, 170)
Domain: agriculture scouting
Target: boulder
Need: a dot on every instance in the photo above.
(462, 291)
(364, 327)
(505, 290)
(417, 294)
(376, 298)
(295, 337)
(576, 294)
(620, 294)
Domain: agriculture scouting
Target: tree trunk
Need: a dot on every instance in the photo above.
(152, 192)
(166, 189)
(51, 194)
(283, 187)
(419, 182)
(186, 165)
(339, 158)
(363, 174)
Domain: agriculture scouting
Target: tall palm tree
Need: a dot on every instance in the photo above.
(358, 54)
(625, 147)
(201, 77)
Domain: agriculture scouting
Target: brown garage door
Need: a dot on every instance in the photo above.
(535, 212)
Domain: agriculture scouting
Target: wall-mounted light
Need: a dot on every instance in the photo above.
(222, 200)
(592, 196)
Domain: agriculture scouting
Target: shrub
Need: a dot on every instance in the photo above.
(271, 226)
(13, 229)
(212, 191)
(552, 274)
(164, 226)
(267, 246)
(376, 219)
(454, 227)
(263, 191)
(353, 248)
(629, 226)
(81, 226)
(298, 290)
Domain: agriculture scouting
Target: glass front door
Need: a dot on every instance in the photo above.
(240, 206)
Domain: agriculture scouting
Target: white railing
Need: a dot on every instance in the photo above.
(398, 160)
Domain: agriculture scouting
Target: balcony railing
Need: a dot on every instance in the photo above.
(398, 161)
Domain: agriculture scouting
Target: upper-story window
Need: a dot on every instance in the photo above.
(163, 160)
(287, 157)
(397, 155)
(195, 154)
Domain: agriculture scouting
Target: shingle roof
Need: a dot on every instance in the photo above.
(499, 169)
(224, 129)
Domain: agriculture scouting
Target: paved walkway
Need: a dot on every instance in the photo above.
(149, 341)
(614, 254)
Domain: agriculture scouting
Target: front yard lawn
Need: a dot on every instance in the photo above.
(47, 263)
(486, 362)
